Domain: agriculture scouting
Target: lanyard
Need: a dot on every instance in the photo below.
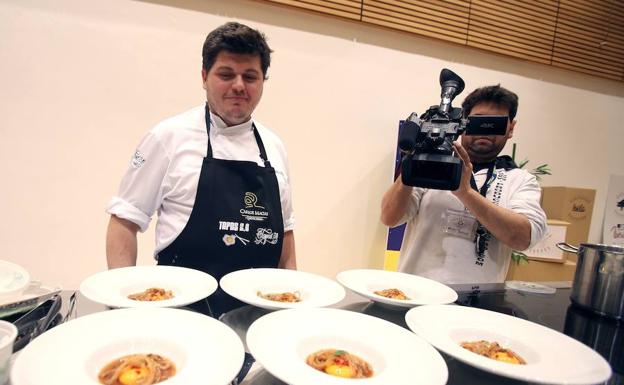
(491, 176)
(482, 235)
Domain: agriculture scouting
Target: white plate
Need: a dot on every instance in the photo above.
(314, 290)
(29, 298)
(551, 357)
(13, 279)
(421, 291)
(281, 342)
(204, 350)
(112, 287)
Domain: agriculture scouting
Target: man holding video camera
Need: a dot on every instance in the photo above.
(467, 235)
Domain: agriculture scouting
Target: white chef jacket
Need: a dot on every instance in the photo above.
(435, 247)
(164, 172)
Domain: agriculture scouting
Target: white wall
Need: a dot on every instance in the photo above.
(83, 81)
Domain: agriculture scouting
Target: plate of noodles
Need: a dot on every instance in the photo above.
(508, 346)
(148, 286)
(333, 346)
(391, 288)
(131, 347)
(281, 288)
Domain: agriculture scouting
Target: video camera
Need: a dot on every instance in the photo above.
(427, 142)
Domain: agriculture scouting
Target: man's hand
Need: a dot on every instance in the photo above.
(511, 228)
(464, 185)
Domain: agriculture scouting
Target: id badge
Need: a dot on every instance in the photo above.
(459, 224)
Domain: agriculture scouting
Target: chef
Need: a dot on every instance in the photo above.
(217, 178)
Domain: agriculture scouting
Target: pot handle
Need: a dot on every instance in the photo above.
(567, 247)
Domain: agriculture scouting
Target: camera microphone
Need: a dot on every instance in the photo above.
(409, 133)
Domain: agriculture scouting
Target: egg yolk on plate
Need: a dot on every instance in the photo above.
(133, 375)
(339, 371)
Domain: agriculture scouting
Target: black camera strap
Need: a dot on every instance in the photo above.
(482, 235)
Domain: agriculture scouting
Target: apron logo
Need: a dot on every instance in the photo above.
(250, 211)
(250, 201)
(264, 236)
(137, 160)
(230, 239)
(233, 226)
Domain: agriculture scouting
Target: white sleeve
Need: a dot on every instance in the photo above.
(141, 189)
(526, 201)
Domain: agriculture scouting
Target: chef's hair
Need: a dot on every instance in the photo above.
(496, 95)
(239, 39)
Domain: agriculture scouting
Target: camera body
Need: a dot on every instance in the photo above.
(427, 141)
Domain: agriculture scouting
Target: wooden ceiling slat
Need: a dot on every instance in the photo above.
(417, 8)
(406, 19)
(584, 63)
(444, 35)
(526, 22)
(585, 71)
(600, 19)
(504, 42)
(589, 8)
(590, 61)
(522, 54)
(433, 28)
(536, 10)
(607, 54)
(586, 36)
(587, 67)
(544, 40)
(589, 38)
(327, 7)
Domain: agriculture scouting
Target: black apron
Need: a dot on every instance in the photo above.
(236, 222)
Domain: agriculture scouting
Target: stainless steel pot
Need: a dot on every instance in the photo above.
(599, 278)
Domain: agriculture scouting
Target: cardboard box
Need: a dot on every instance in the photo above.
(570, 204)
(540, 271)
(546, 249)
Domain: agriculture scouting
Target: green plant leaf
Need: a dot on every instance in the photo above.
(519, 257)
(523, 163)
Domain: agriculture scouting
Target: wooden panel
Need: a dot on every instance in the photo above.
(527, 29)
(349, 9)
(419, 30)
(576, 68)
(428, 18)
(586, 36)
(440, 10)
(590, 37)
(514, 52)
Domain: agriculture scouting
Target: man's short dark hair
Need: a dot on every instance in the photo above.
(239, 39)
(492, 94)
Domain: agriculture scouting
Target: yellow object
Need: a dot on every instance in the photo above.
(505, 357)
(339, 371)
(391, 260)
(133, 375)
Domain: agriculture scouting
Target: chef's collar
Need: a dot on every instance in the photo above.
(221, 128)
